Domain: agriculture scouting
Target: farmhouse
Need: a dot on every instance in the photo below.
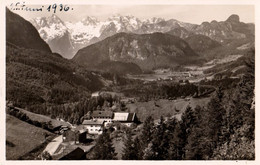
(125, 118)
(90, 129)
(103, 116)
(93, 126)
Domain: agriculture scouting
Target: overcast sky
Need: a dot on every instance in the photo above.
(186, 13)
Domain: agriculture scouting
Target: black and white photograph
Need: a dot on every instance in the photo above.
(133, 81)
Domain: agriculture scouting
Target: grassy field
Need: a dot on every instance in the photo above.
(165, 107)
(22, 137)
(42, 118)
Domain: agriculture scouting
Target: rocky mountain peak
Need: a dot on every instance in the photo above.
(90, 30)
(124, 19)
(233, 18)
(115, 17)
(54, 19)
(153, 20)
(89, 20)
(205, 24)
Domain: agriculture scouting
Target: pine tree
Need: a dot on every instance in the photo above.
(138, 148)
(241, 121)
(187, 122)
(158, 149)
(175, 148)
(194, 148)
(241, 112)
(104, 149)
(147, 131)
(213, 119)
(129, 151)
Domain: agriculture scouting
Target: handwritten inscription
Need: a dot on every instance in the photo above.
(50, 8)
(59, 7)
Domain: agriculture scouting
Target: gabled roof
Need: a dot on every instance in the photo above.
(124, 116)
(77, 154)
(101, 114)
(131, 117)
(92, 122)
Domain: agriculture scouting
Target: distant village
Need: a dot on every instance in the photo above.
(95, 123)
(75, 139)
(100, 120)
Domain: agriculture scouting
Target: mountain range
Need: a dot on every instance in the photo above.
(67, 38)
(35, 75)
(148, 51)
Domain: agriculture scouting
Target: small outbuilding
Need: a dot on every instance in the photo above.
(77, 154)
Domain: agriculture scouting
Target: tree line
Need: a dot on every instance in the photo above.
(223, 130)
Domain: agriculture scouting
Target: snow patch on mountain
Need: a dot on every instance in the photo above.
(153, 20)
(50, 27)
(90, 30)
(81, 31)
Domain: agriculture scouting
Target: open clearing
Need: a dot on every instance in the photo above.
(22, 137)
(42, 118)
(164, 107)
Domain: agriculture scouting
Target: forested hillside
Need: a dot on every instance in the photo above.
(187, 91)
(33, 78)
(29, 37)
(147, 51)
(223, 130)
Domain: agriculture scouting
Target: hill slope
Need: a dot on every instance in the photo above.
(148, 51)
(180, 32)
(32, 78)
(200, 43)
(34, 75)
(22, 137)
(28, 36)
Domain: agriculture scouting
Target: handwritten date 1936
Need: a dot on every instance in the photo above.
(50, 8)
(59, 7)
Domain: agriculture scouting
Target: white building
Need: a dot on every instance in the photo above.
(103, 116)
(95, 94)
(93, 126)
(125, 118)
